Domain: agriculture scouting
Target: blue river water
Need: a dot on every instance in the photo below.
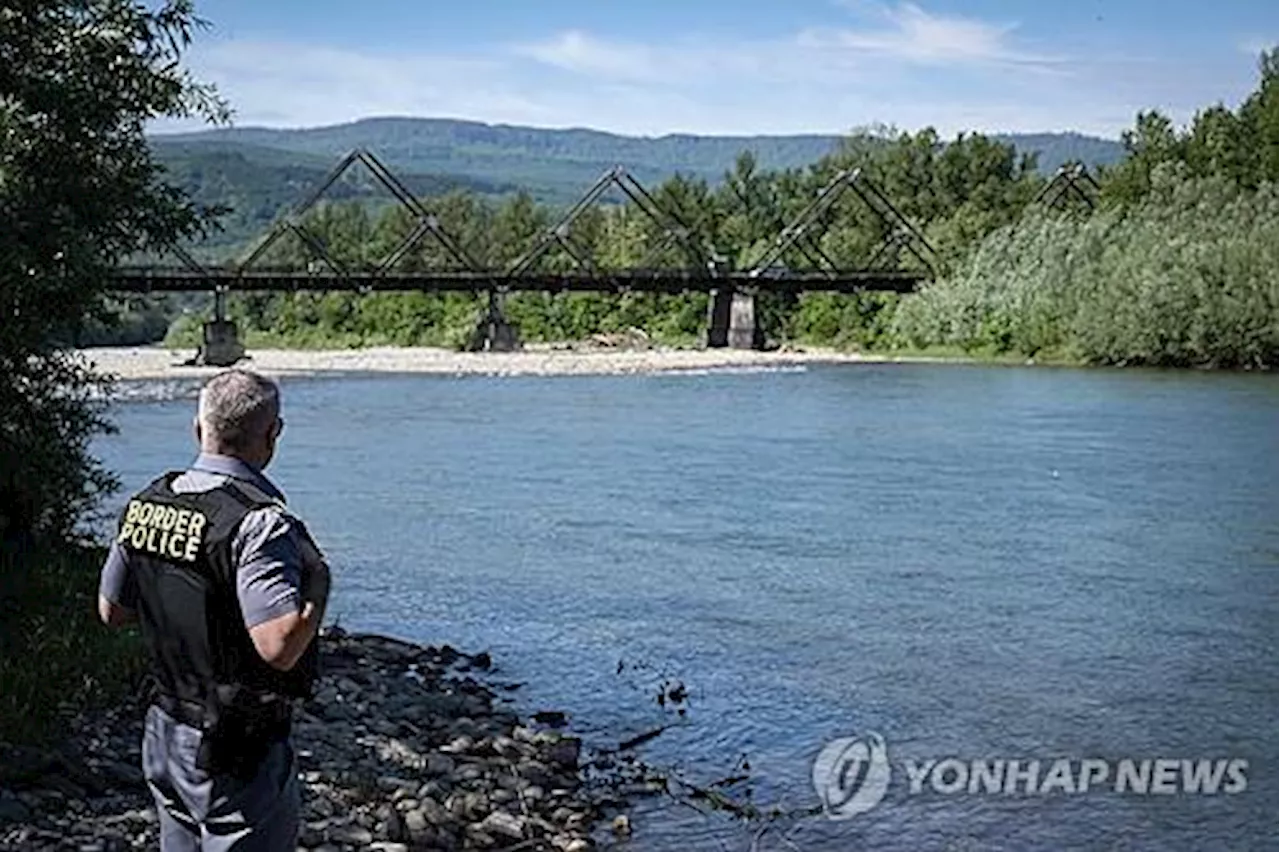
(979, 563)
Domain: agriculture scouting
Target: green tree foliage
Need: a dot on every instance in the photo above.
(1187, 277)
(1178, 268)
(1239, 146)
(78, 191)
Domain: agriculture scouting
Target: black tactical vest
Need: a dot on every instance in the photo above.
(180, 552)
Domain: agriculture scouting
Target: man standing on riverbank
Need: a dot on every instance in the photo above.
(230, 591)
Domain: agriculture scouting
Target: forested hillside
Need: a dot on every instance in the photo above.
(255, 184)
(555, 166)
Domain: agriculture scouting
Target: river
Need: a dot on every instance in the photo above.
(971, 562)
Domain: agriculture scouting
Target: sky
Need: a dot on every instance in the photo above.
(651, 67)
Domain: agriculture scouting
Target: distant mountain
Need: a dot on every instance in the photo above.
(259, 172)
(557, 165)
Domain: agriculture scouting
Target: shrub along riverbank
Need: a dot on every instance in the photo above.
(1187, 277)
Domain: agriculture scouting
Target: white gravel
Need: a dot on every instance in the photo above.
(133, 362)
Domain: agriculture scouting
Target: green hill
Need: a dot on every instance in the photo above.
(259, 182)
(556, 165)
(259, 172)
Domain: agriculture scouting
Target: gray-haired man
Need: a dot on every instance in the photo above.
(230, 591)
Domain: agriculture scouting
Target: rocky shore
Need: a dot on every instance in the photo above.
(145, 362)
(403, 747)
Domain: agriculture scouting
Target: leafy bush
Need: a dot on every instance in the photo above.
(1186, 277)
(78, 191)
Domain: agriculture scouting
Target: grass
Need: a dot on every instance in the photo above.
(56, 657)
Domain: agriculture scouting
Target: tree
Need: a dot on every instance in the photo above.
(1239, 146)
(78, 190)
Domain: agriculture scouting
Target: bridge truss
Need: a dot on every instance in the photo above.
(678, 258)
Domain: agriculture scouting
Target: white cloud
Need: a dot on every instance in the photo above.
(910, 33)
(288, 84)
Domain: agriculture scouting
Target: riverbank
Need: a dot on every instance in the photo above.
(142, 362)
(403, 746)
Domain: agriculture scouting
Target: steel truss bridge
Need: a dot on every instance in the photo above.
(794, 261)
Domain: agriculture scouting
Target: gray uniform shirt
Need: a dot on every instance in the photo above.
(271, 547)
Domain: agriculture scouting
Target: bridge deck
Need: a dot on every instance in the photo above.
(161, 280)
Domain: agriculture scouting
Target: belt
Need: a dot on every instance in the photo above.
(191, 713)
(197, 715)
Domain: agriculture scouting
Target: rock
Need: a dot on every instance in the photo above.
(504, 824)
(468, 806)
(312, 833)
(394, 828)
(475, 705)
(505, 746)
(416, 824)
(478, 838)
(440, 764)
(353, 834)
(433, 812)
(535, 773)
(621, 825)
(394, 785)
(565, 752)
(436, 788)
(399, 750)
(460, 745)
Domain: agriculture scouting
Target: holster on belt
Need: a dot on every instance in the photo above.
(240, 727)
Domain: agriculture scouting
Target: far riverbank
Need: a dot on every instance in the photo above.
(146, 362)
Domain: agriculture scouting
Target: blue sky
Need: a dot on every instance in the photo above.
(714, 66)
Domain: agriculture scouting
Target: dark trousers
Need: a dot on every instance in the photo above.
(215, 813)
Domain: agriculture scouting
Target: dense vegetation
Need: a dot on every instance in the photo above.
(1185, 276)
(1177, 265)
(554, 166)
(1178, 268)
(78, 190)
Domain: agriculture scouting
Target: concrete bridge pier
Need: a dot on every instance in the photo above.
(220, 345)
(495, 333)
(731, 321)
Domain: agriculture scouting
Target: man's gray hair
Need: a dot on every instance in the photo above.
(237, 405)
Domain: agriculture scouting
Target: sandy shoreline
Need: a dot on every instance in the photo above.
(144, 362)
